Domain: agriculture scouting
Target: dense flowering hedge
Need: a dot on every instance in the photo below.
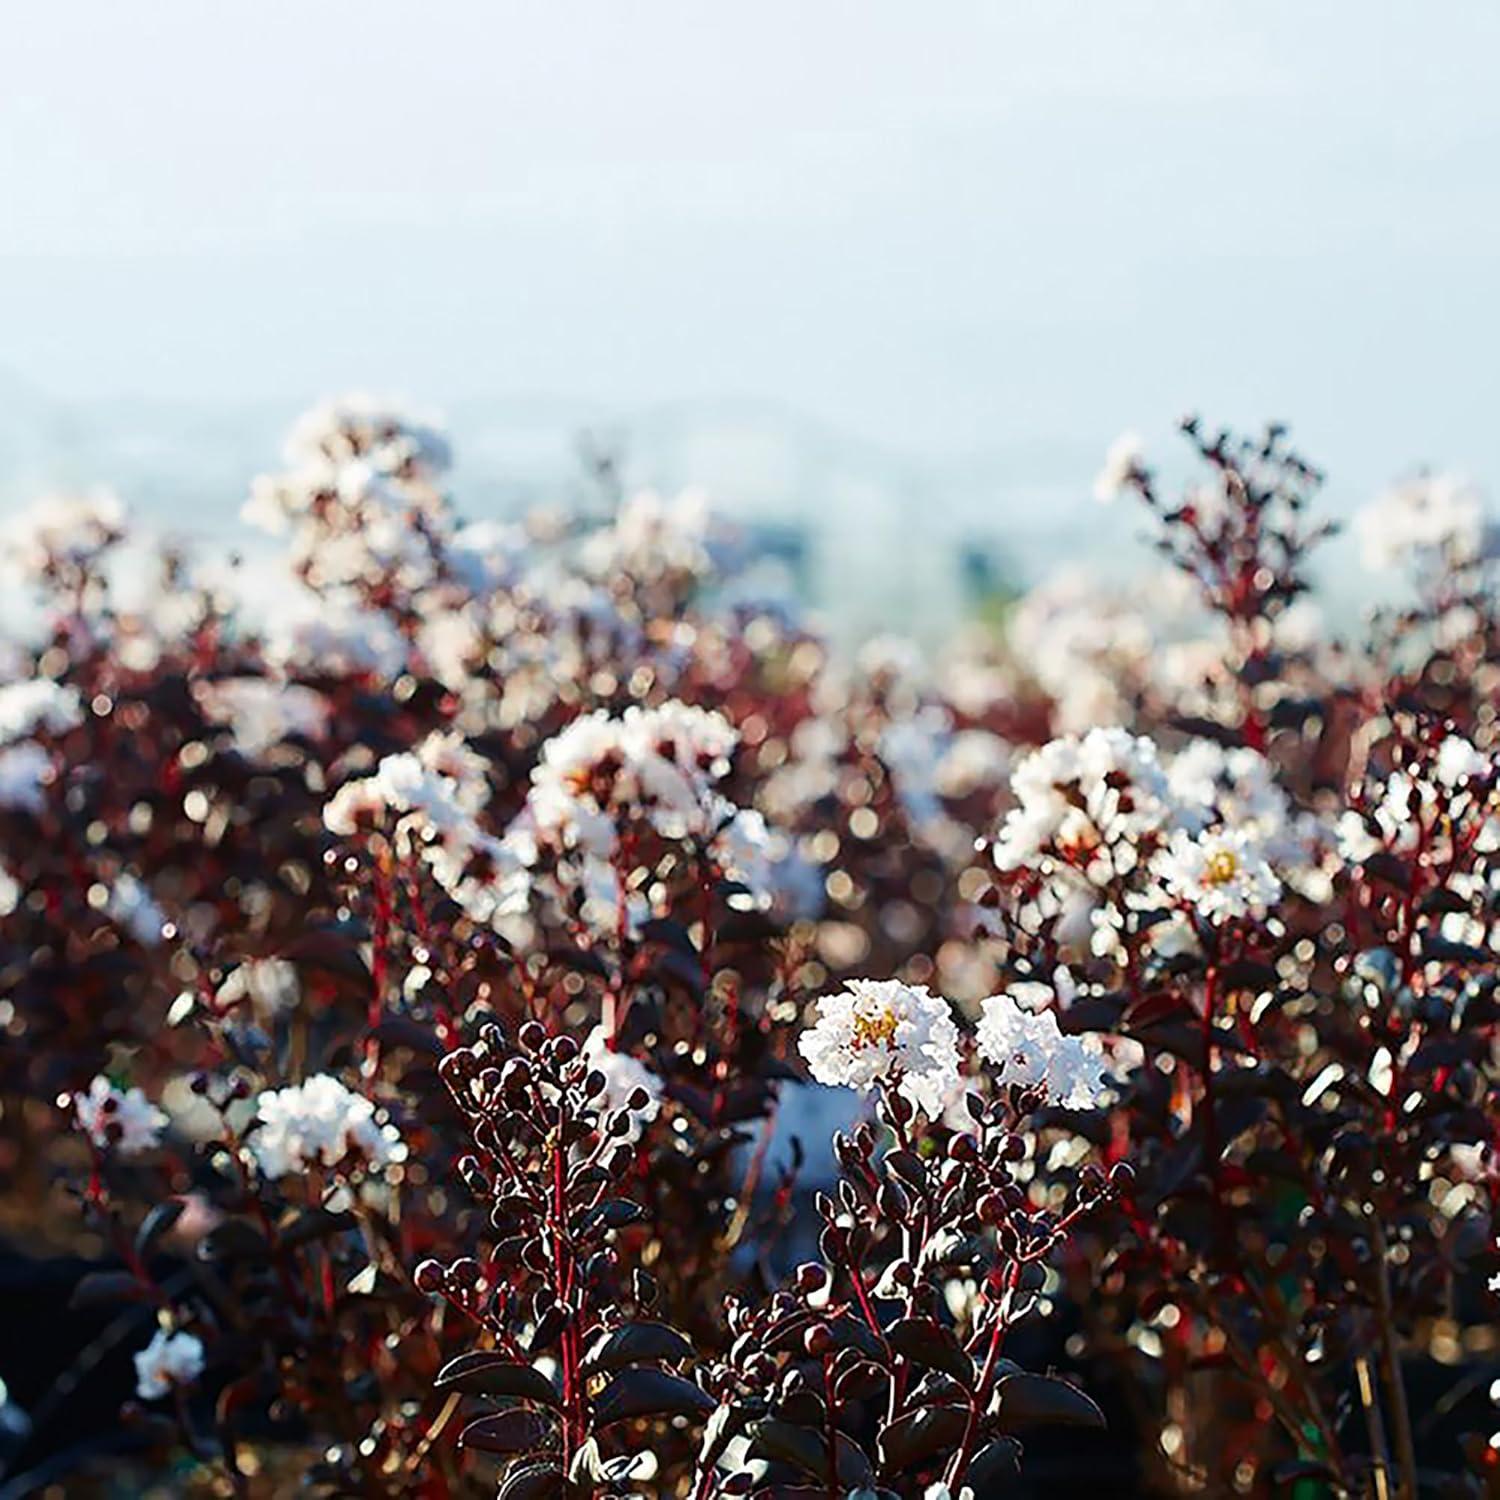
(408, 979)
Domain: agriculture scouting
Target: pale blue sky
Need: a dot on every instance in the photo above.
(946, 228)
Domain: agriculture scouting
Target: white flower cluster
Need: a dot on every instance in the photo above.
(884, 1032)
(434, 794)
(319, 1121)
(623, 1075)
(598, 775)
(1027, 1047)
(120, 1120)
(1236, 788)
(170, 1360)
(362, 499)
(652, 536)
(1103, 820)
(262, 713)
(1088, 803)
(1398, 806)
(1123, 463)
(928, 760)
(340, 639)
(1220, 873)
(66, 529)
(1096, 645)
(37, 706)
(881, 1031)
(662, 761)
(1433, 515)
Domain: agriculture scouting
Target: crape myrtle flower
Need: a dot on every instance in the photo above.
(1396, 808)
(26, 770)
(1123, 463)
(1087, 801)
(170, 1360)
(435, 817)
(261, 713)
(628, 1083)
(881, 1031)
(1433, 514)
(600, 770)
(37, 706)
(319, 1121)
(653, 536)
(124, 1121)
(1221, 873)
(66, 529)
(1027, 1048)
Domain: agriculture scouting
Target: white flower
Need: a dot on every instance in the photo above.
(10, 893)
(652, 536)
(1436, 513)
(574, 780)
(623, 1075)
(912, 748)
(746, 851)
(662, 761)
(401, 784)
(1123, 461)
(262, 713)
(38, 705)
(271, 985)
(25, 770)
(1238, 788)
(1458, 760)
(1087, 801)
(1397, 810)
(131, 906)
(125, 1121)
(1033, 994)
(1220, 872)
(66, 528)
(377, 433)
(883, 1031)
(168, 1361)
(1029, 1049)
(974, 758)
(319, 1121)
(315, 635)
(448, 754)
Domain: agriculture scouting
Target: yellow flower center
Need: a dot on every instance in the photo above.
(878, 1030)
(1221, 867)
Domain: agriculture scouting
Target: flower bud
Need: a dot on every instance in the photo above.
(817, 1341)
(809, 1277)
(963, 1148)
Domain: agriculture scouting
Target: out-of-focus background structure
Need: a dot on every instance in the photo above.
(886, 281)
